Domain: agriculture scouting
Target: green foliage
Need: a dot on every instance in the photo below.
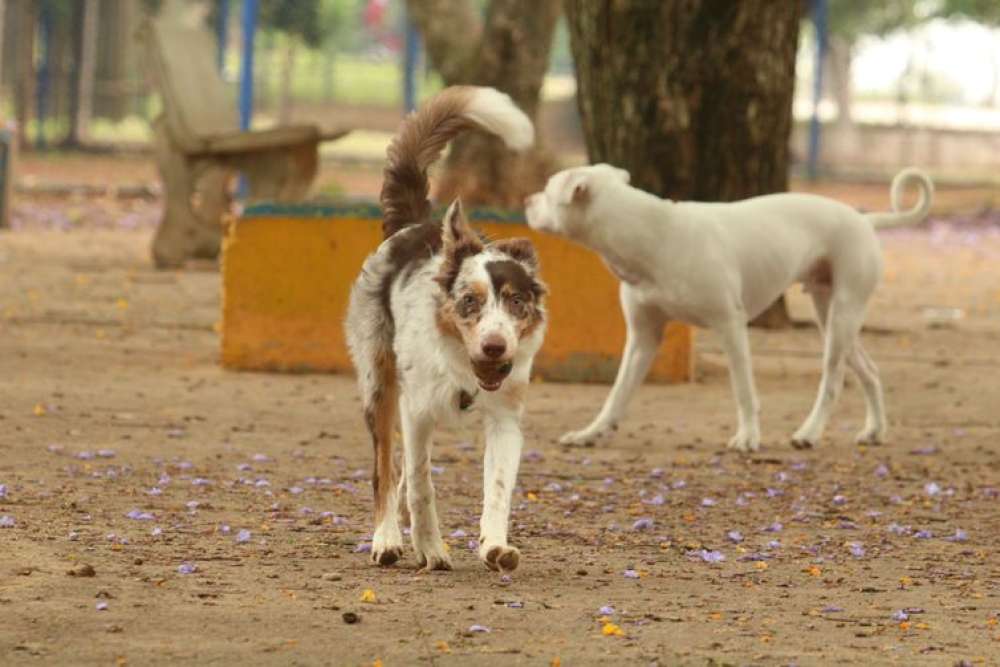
(850, 19)
(981, 11)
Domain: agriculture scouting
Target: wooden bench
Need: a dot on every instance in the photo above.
(199, 146)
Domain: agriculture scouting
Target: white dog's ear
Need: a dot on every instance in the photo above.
(576, 190)
(620, 174)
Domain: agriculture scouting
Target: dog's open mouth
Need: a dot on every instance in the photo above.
(490, 374)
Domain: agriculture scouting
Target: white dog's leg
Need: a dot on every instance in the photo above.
(736, 343)
(503, 455)
(875, 427)
(843, 322)
(644, 331)
(858, 361)
(426, 533)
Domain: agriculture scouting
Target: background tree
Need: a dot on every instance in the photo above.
(692, 97)
(848, 21)
(509, 50)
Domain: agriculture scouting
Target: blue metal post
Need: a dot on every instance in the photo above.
(42, 75)
(250, 8)
(411, 54)
(222, 34)
(819, 22)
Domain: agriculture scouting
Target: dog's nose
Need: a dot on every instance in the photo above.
(494, 347)
(528, 200)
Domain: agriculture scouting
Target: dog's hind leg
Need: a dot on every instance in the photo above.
(858, 361)
(425, 531)
(843, 323)
(644, 331)
(735, 341)
(381, 398)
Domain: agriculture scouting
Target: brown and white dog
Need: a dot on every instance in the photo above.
(442, 324)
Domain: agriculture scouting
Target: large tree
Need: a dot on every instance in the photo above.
(509, 50)
(692, 97)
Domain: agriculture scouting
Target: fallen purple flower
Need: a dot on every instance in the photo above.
(187, 568)
(735, 536)
(553, 487)
(658, 499)
(7, 521)
(473, 545)
(857, 550)
(900, 615)
(708, 502)
(156, 532)
(192, 505)
(839, 500)
(515, 605)
(606, 610)
(458, 533)
(139, 515)
(775, 527)
(932, 488)
(155, 491)
(656, 473)
(363, 548)
(306, 510)
(3, 490)
(832, 610)
(897, 529)
(101, 606)
(261, 458)
(710, 556)
(339, 521)
(296, 490)
(225, 529)
(642, 524)
(261, 482)
(881, 470)
(923, 534)
(774, 544)
(435, 470)
(679, 484)
(184, 465)
(106, 453)
(201, 481)
(774, 493)
(959, 536)
(478, 628)
(630, 574)
(781, 476)
(85, 456)
(244, 467)
(243, 536)
(505, 579)
(534, 456)
(753, 557)
(925, 451)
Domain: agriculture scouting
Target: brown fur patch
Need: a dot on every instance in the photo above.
(520, 292)
(520, 250)
(452, 265)
(418, 144)
(380, 417)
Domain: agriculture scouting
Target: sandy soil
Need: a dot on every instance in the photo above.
(123, 446)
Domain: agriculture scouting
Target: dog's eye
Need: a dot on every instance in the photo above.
(470, 302)
(517, 301)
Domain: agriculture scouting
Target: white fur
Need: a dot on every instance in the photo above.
(496, 112)
(432, 370)
(719, 266)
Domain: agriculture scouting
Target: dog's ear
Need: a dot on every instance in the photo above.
(621, 174)
(576, 190)
(520, 250)
(455, 229)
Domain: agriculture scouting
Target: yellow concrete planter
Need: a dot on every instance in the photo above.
(287, 271)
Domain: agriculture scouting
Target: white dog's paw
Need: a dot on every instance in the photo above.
(432, 554)
(499, 557)
(387, 547)
(587, 437)
(870, 435)
(805, 439)
(745, 441)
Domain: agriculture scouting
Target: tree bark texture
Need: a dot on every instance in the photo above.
(509, 51)
(692, 97)
(24, 100)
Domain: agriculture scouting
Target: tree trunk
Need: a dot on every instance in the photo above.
(692, 97)
(24, 100)
(510, 52)
(83, 106)
(287, 75)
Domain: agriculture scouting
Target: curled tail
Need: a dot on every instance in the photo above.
(425, 133)
(916, 214)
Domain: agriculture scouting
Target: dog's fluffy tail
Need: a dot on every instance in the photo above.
(424, 134)
(899, 218)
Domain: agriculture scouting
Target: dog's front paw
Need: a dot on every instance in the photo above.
(805, 439)
(745, 441)
(871, 436)
(432, 555)
(587, 437)
(499, 558)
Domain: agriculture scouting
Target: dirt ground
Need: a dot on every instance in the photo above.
(124, 447)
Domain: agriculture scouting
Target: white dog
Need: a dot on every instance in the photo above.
(440, 324)
(719, 266)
